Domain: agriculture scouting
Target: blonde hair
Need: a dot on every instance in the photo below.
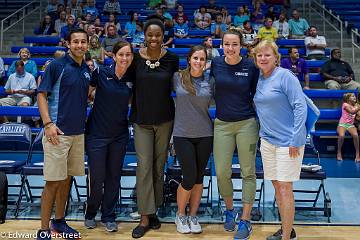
(346, 97)
(24, 50)
(265, 44)
(97, 41)
(59, 53)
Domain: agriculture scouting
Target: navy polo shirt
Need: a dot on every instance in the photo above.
(67, 84)
(109, 116)
(235, 87)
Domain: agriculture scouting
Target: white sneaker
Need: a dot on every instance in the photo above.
(182, 224)
(195, 226)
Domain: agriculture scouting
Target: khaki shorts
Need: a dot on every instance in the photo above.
(15, 101)
(65, 159)
(277, 163)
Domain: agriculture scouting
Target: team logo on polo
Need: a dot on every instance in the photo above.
(87, 75)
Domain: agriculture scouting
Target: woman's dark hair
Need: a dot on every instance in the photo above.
(119, 45)
(43, 23)
(154, 20)
(115, 18)
(186, 79)
(132, 13)
(233, 31)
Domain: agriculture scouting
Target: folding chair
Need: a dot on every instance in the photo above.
(15, 141)
(34, 167)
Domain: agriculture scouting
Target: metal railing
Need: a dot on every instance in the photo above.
(21, 14)
(317, 7)
(355, 36)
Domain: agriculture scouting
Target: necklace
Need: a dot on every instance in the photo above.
(153, 65)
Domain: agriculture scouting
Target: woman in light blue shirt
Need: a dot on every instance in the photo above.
(130, 27)
(281, 108)
(240, 17)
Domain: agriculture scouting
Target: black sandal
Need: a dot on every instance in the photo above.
(140, 231)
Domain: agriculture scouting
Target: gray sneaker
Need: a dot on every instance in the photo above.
(90, 223)
(110, 226)
(278, 235)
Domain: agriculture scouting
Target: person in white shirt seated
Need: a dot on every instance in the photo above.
(315, 45)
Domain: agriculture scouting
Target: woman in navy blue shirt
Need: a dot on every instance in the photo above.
(107, 136)
(235, 80)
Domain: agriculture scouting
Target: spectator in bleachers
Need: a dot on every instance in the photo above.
(30, 65)
(109, 41)
(240, 17)
(51, 9)
(349, 110)
(87, 19)
(281, 109)
(257, 16)
(210, 50)
(60, 22)
(170, 4)
(152, 114)
(153, 4)
(202, 19)
(47, 26)
(112, 6)
(212, 8)
(250, 52)
(180, 13)
(235, 80)
(139, 37)
(168, 33)
(65, 30)
(282, 26)
(218, 28)
(193, 137)
(268, 32)
(249, 36)
(298, 26)
(112, 21)
(130, 27)
(20, 86)
(68, 10)
(271, 14)
(337, 73)
(91, 64)
(99, 27)
(297, 65)
(225, 15)
(2, 72)
(90, 8)
(75, 8)
(181, 29)
(90, 29)
(163, 13)
(60, 8)
(96, 51)
(315, 45)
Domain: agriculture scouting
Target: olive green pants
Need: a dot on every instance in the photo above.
(151, 145)
(244, 135)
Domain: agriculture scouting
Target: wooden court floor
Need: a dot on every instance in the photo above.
(168, 231)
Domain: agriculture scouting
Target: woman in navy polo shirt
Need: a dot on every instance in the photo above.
(107, 136)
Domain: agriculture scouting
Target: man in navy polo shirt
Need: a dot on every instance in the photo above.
(62, 100)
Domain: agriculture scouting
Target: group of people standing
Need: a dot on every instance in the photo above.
(149, 76)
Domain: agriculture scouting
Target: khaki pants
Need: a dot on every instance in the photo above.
(332, 84)
(151, 144)
(244, 135)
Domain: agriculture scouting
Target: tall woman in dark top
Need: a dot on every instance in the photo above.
(107, 136)
(192, 133)
(152, 112)
(235, 80)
